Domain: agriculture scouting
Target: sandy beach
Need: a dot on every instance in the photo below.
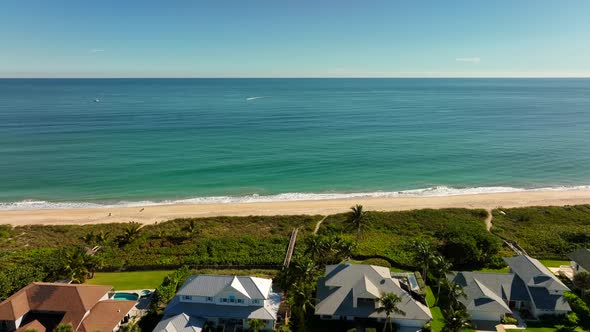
(157, 213)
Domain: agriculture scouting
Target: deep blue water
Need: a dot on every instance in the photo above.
(170, 139)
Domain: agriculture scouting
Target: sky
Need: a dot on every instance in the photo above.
(294, 38)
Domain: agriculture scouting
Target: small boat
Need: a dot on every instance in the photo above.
(97, 100)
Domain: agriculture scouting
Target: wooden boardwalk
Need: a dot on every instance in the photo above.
(290, 248)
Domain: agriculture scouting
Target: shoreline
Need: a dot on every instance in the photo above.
(157, 213)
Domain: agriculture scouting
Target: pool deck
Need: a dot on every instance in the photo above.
(143, 304)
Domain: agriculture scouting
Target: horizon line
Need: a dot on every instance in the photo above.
(302, 77)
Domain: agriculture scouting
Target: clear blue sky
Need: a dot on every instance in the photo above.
(294, 38)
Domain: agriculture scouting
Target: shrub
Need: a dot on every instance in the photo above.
(377, 262)
(509, 320)
(427, 327)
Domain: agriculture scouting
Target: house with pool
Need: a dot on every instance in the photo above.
(42, 306)
(224, 301)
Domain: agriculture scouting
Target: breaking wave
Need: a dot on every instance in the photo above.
(253, 198)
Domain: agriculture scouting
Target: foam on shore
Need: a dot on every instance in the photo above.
(438, 191)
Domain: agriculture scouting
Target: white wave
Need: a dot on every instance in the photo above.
(254, 98)
(424, 192)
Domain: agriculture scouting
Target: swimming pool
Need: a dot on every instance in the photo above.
(126, 296)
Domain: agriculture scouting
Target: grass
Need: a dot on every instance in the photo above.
(152, 279)
(553, 262)
(545, 232)
(541, 329)
(129, 280)
(438, 321)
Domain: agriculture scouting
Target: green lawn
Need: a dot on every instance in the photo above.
(553, 262)
(438, 321)
(534, 329)
(129, 280)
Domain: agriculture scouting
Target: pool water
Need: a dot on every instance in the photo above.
(126, 296)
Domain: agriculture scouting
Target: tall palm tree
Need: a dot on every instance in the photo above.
(455, 293)
(389, 304)
(301, 300)
(255, 325)
(424, 255)
(441, 269)
(455, 320)
(356, 219)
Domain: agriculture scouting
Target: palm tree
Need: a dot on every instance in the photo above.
(301, 300)
(455, 293)
(424, 255)
(455, 320)
(388, 304)
(441, 269)
(356, 219)
(191, 227)
(75, 265)
(102, 237)
(255, 325)
(130, 232)
(314, 246)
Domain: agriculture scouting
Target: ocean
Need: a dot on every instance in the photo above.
(88, 142)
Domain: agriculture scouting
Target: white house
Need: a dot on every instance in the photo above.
(226, 300)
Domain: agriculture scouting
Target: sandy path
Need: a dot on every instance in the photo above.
(151, 214)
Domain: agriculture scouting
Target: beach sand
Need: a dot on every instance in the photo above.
(157, 213)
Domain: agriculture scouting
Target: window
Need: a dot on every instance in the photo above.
(210, 299)
(187, 297)
(224, 300)
(240, 301)
(255, 301)
(232, 300)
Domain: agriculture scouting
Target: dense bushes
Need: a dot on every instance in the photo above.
(204, 241)
(391, 235)
(30, 253)
(580, 308)
(545, 232)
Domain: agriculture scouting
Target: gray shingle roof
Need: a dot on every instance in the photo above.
(180, 323)
(211, 285)
(335, 292)
(490, 291)
(582, 257)
(534, 274)
(544, 300)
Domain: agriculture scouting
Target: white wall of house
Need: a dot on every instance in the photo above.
(223, 299)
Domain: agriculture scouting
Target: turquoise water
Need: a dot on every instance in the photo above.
(106, 141)
(126, 296)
